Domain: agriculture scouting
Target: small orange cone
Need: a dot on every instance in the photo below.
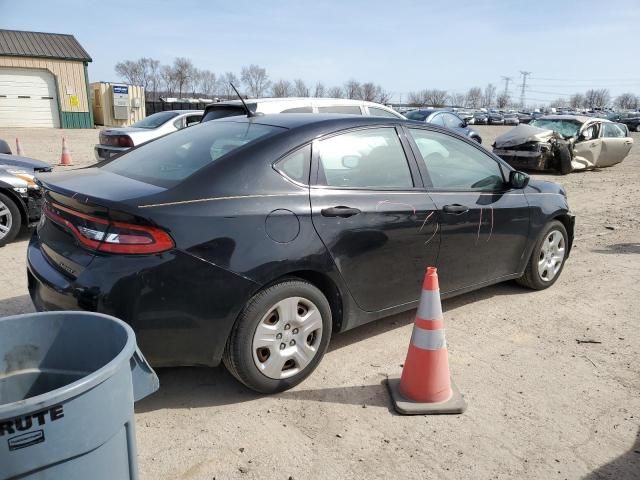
(19, 151)
(425, 386)
(65, 158)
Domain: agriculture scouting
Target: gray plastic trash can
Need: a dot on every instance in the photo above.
(68, 381)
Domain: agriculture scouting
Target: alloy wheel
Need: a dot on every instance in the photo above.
(6, 220)
(551, 255)
(287, 338)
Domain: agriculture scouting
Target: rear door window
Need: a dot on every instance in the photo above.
(371, 158)
(193, 120)
(346, 109)
(451, 121)
(172, 158)
(613, 130)
(438, 119)
(296, 165)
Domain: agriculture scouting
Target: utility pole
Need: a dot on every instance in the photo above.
(507, 80)
(524, 86)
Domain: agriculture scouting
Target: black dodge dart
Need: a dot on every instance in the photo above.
(250, 240)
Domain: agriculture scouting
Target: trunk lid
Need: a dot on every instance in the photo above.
(85, 200)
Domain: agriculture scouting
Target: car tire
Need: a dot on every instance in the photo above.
(638, 128)
(563, 159)
(477, 139)
(270, 349)
(543, 267)
(10, 220)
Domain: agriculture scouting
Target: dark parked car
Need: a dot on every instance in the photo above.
(480, 118)
(251, 240)
(524, 117)
(444, 118)
(20, 196)
(494, 118)
(632, 121)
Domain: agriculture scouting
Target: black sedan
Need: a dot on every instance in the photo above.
(444, 118)
(20, 196)
(495, 118)
(251, 240)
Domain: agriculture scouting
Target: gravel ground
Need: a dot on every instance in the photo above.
(541, 405)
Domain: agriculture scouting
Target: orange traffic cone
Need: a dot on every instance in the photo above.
(65, 158)
(19, 151)
(425, 386)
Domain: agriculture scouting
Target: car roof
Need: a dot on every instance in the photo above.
(295, 120)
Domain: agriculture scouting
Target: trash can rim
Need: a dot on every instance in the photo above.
(81, 385)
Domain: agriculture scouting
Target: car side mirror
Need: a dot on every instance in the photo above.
(518, 180)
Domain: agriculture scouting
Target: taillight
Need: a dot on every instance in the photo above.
(109, 236)
(116, 140)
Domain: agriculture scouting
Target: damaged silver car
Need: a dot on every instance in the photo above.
(564, 143)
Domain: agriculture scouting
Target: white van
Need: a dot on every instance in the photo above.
(298, 105)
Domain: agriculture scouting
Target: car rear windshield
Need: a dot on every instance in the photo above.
(420, 116)
(169, 160)
(155, 120)
(223, 111)
(566, 128)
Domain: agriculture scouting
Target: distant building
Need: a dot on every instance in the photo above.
(43, 81)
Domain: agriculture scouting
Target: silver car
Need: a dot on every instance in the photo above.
(114, 141)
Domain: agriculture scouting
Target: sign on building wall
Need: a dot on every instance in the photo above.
(120, 102)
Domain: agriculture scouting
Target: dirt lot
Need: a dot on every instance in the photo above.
(541, 405)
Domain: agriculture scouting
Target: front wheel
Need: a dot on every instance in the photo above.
(280, 337)
(547, 259)
(10, 220)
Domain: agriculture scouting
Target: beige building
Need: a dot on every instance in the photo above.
(117, 104)
(43, 81)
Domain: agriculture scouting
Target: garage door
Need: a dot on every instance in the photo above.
(28, 98)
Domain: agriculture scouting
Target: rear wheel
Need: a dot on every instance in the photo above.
(10, 220)
(547, 259)
(280, 337)
(638, 128)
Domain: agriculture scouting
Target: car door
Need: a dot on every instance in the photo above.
(482, 222)
(588, 146)
(454, 123)
(616, 144)
(372, 214)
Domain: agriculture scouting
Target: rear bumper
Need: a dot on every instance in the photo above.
(181, 308)
(105, 152)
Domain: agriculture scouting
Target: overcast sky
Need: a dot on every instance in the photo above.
(402, 45)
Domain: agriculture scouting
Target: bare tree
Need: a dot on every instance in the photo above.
(474, 97)
(383, 96)
(576, 100)
(183, 72)
(152, 81)
(281, 88)
(418, 98)
(194, 81)
(436, 98)
(627, 101)
(256, 80)
(503, 100)
(559, 102)
(352, 89)
(336, 92)
(489, 95)
(168, 78)
(130, 71)
(208, 83)
(225, 85)
(369, 92)
(300, 88)
(457, 99)
(597, 98)
(319, 90)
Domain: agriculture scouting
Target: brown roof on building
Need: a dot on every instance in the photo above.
(42, 45)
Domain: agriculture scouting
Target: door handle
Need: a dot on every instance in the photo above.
(455, 209)
(339, 211)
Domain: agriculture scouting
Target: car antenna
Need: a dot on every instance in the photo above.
(249, 112)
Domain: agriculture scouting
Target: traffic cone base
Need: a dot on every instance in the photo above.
(454, 405)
